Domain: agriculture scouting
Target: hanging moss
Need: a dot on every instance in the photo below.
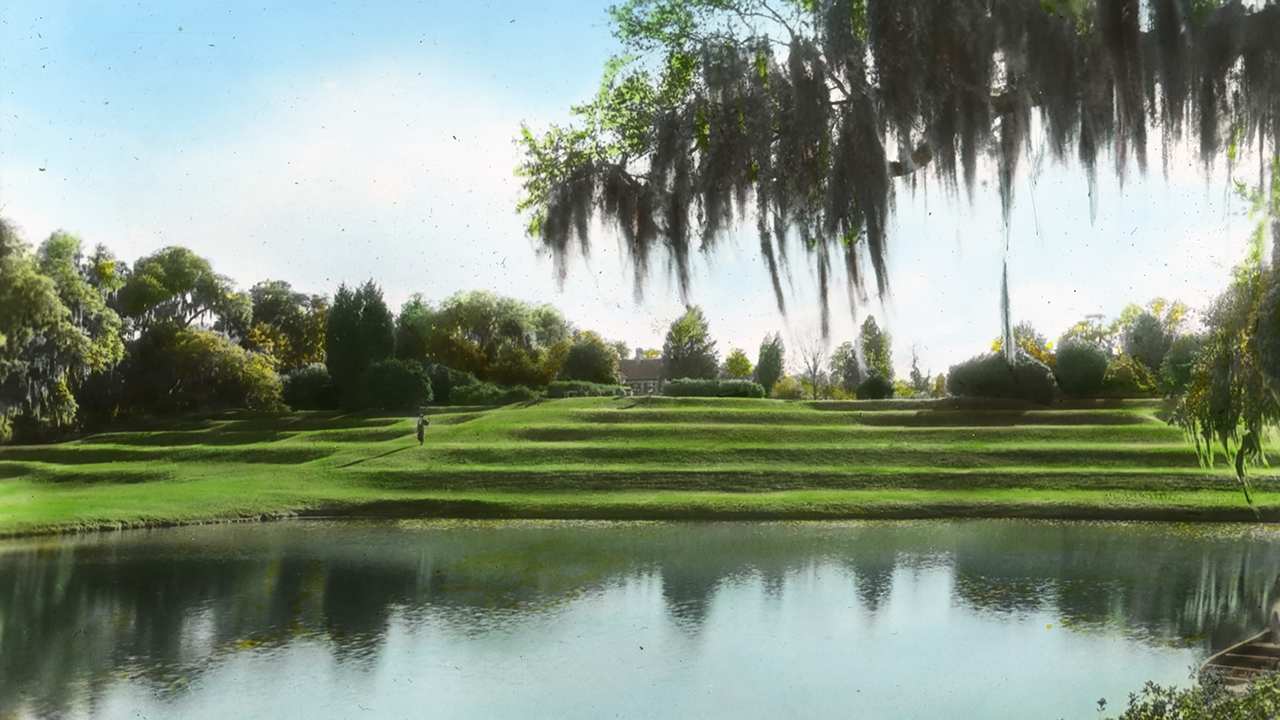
(801, 113)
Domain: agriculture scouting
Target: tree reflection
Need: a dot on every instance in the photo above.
(166, 606)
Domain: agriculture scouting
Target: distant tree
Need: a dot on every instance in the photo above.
(813, 356)
(42, 351)
(787, 388)
(769, 362)
(738, 365)
(689, 351)
(290, 326)
(920, 382)
(499, 339)
(591, 359)
(1029, 344)
(875, 349)
(183, 369)
(309, 388)
(1146, 341)
(1179, 365)
(1092, 329)
(846, 373)
(175, 286)
(414, 327)
(359, 333)
(85, 294)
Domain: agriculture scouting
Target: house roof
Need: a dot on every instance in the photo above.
(640, 370)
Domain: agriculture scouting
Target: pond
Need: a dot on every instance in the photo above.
(450, 619)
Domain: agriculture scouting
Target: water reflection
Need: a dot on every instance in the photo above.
(162, 610)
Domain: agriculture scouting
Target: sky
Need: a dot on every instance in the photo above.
(326, 143)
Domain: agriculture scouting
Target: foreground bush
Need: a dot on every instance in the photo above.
(875, 388)
(689, 387)
(490, 394)
(562, 388)
(1207, 701)
(310, 387)
(1080, 369)
(992, 376)
(394, 385)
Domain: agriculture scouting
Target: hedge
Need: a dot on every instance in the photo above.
(490, 394)
(689, 387)
(562, 388)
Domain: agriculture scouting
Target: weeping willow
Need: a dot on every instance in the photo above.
(805, 115)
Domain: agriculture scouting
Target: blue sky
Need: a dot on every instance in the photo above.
(322, 143)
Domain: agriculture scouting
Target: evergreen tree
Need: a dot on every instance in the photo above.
(770, 361)
(360, 333)
(689, 351)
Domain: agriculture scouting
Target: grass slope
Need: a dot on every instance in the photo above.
(633, 458)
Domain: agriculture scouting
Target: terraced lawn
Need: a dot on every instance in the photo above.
(634, 458)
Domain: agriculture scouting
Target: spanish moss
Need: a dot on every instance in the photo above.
(806, 114)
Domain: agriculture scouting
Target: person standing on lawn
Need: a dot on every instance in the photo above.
(423, 422)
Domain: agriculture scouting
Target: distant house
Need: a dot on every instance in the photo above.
(644, 375)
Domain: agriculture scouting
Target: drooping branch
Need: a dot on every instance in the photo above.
(715, 119)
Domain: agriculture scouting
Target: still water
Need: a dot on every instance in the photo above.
(316, 619)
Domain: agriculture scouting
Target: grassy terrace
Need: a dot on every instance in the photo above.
(632, 458)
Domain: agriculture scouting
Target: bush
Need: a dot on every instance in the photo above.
(992, 376)
(1127, 377)
(310, 387)
(1080, 369)
(562, 388)
(874, 388)
(490, 394)
(787, 388)
(591, 360)
(444, 379)
(394, 385)
(689, 387)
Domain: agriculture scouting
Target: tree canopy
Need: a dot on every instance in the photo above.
(803, 112)
(689, 351)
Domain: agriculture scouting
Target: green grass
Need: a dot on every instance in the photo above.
(627, 458)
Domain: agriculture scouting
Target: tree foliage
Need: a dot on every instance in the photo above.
(770, 361)
(689, 351)
(737, 365)
(846, 371)
(185, 370)
(498, 339)
(177, 287)
(359, 333)
(592, 360)
(802, 112)
(289, 326)
(876, 356)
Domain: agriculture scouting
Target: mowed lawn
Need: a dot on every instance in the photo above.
(634, 458)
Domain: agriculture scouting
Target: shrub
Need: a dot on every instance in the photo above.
(562, 388)
(394, 385)
(444, 379)
(1127, 377)
(490, 394)
(310, 387)
(992, 376)
(787, 388)
(875, 388)
(1080, 369)
(689, 387)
